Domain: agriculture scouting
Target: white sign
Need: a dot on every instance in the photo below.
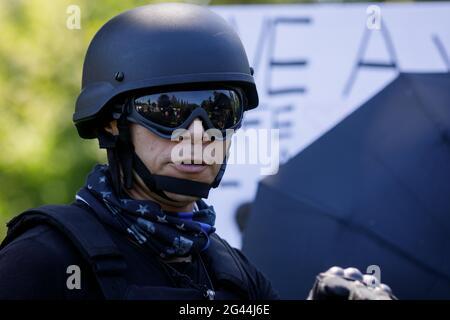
(315, 64)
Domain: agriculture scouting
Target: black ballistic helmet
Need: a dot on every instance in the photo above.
(160, 45)
(157, 46)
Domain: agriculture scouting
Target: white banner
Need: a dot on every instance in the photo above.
(315, 64)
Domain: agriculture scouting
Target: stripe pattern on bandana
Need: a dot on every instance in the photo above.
(169, 234)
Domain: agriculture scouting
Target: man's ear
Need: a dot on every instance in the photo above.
(112, 128)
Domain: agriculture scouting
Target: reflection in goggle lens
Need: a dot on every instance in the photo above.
(171, 109)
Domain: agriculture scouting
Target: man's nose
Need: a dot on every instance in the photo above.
(196, 131)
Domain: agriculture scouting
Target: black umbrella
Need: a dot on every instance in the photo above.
(374, 190)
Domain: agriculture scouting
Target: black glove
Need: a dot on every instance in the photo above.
(348, 284)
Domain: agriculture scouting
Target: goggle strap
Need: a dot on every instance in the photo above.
(109, 142)
(106, 140)
(125, 151)
(114, 170)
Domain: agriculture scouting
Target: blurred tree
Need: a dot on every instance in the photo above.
(42, 160)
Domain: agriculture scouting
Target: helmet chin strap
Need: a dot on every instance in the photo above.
(171, 184)
(121, 154)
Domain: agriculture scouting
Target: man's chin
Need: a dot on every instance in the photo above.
(181, 198)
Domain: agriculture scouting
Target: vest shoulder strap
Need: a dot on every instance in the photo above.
(89, 236)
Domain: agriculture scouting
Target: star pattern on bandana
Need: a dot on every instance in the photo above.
(169, 234)
(106, 194)
(162, 219)
(181, 226)
(143, 209)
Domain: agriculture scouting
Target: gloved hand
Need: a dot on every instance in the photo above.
(348, 284)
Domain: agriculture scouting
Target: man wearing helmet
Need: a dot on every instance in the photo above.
(153, 78)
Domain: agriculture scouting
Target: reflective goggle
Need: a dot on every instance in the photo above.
(165, 112)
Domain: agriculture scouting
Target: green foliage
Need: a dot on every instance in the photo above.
(42, 160)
